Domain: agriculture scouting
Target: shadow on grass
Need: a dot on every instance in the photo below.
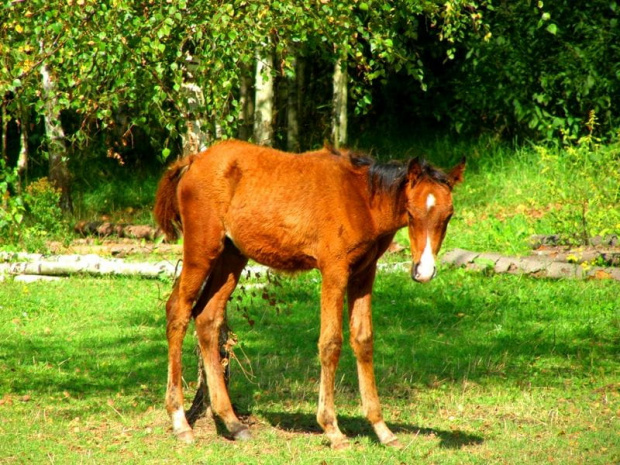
(359, 427)
(462, 327)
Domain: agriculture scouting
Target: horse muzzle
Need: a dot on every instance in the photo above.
(422, 274)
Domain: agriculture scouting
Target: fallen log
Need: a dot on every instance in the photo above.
(609, 258)
(65, 265)
(538, 266)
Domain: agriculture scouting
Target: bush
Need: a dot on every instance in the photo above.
(584, 177)
(42, 201)
(12, 205)
(31, 218)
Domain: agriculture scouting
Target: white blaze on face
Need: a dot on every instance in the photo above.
(426, 267)
(430, 202)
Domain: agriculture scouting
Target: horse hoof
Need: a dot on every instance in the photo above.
(340, 444)
(394, 443)
(243, 435)
(186, 437)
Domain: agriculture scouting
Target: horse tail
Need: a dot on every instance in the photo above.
(166, 210)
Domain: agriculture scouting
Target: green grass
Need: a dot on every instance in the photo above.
(124, 198)
(471, 369)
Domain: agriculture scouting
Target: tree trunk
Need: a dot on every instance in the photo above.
(22, 159)
(339, 118)
(264, 96)
(58, 159)
(195, 140)
(4, 127)
(292, 109)
(246, 102)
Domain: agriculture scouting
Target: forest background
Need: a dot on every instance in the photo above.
(95, 91)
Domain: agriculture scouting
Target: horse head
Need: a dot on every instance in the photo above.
(429, 208)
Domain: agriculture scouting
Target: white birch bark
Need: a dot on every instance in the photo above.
(264, 96)
(22, 158)
(292, 110)
(195, 140)
(55, 134)
(339, 115)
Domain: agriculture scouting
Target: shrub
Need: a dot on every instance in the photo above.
(11, 205)
(584, 178)
(42, 201)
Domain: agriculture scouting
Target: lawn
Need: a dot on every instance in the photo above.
(471, 369)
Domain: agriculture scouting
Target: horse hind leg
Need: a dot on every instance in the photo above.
(210, 320)
(196, 268)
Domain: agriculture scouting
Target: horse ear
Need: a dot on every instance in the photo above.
(414, 169)
(456, 173)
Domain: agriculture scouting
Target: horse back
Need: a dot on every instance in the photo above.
(287, 211)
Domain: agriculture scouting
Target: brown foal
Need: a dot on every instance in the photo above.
(330, 210)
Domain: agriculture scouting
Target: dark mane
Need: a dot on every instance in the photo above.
(389, 177)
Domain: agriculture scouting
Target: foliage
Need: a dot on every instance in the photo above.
(584, 178)
(32, 217)
(42, 201)
(11, 204)
(547, 65)
(120, 66)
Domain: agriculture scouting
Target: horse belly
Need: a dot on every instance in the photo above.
(271, 243)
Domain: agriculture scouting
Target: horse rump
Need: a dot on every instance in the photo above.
(166, 210)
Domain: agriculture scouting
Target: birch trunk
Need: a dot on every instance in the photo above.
(292, 109)
(246, 102)
(58, 159)
(22, 158)
(339, 117)
(264, 96)
(195, 140)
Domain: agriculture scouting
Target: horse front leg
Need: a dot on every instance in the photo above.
(330, 344)
(361, 338)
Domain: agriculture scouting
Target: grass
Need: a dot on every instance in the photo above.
(471, 369)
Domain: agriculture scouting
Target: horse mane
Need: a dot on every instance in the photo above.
(390, 177)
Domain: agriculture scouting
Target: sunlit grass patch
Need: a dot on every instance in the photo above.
(470, 369)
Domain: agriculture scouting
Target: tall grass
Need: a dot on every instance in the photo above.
(510, 191)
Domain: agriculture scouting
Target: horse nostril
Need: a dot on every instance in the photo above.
(419, 277)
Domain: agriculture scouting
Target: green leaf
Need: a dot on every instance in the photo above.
(552, 28)
(364, 6)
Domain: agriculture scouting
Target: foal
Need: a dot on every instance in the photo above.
(333, 211)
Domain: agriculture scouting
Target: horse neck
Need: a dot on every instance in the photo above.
(389, 211)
